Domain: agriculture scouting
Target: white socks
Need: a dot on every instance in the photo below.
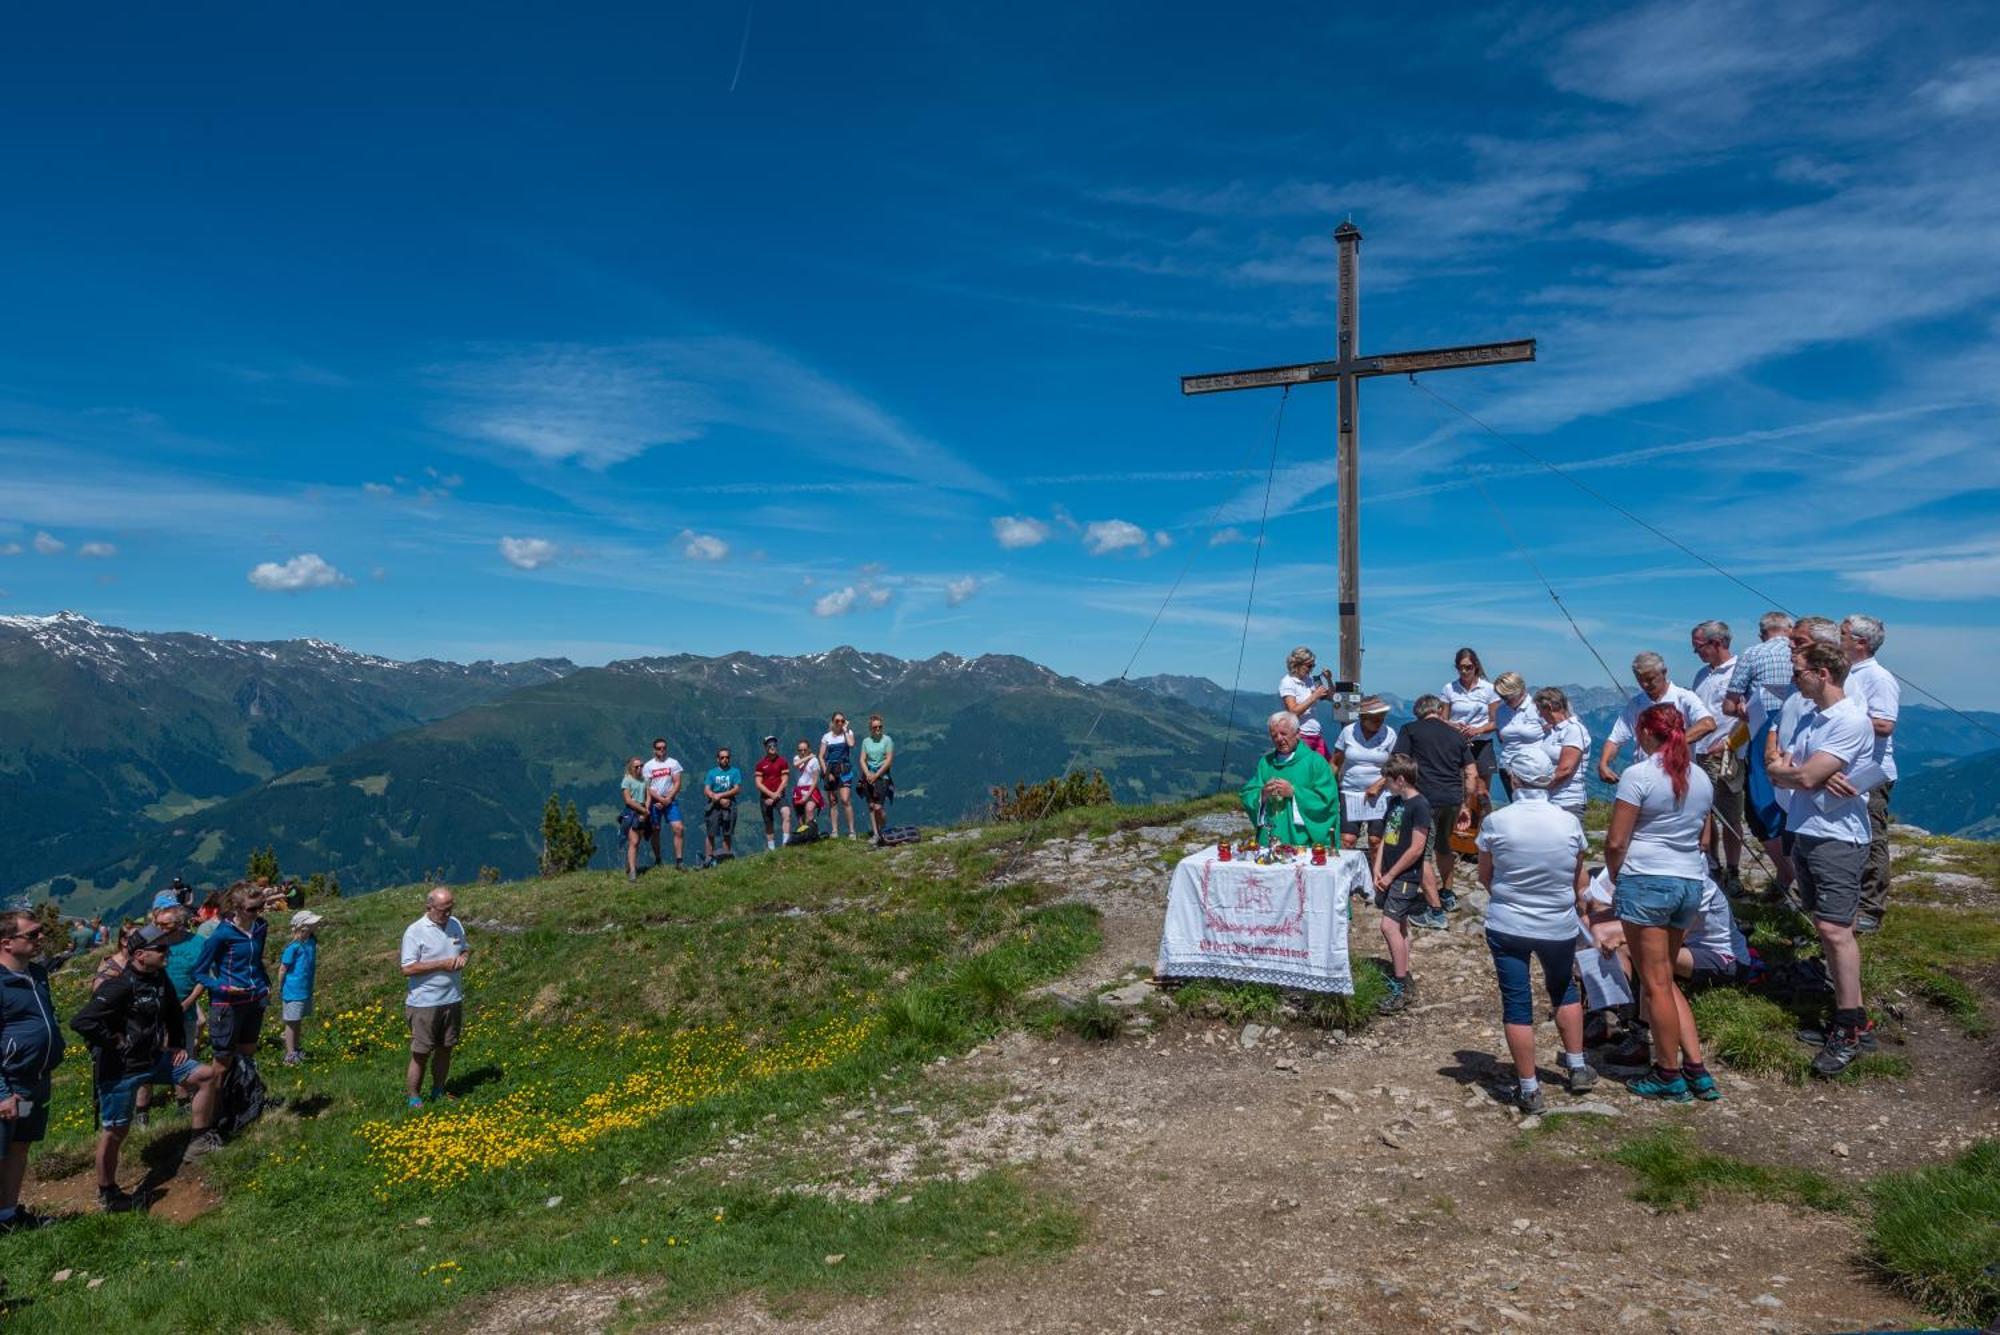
(1572, 1060)
(1529, 1084)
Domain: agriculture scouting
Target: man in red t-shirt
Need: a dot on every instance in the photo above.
(772, 775)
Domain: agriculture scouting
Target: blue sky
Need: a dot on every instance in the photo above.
(529, 335)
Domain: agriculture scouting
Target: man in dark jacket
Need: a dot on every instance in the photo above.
(31, 1046)
(137, 1036)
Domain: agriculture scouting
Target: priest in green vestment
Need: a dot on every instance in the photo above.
(1293, 798)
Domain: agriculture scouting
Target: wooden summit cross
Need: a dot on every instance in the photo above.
(1350, 369)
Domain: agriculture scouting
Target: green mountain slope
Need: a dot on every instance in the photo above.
(466, 792)
(1950, 796)
(107, 735)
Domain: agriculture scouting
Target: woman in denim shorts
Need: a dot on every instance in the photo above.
(1654, 854)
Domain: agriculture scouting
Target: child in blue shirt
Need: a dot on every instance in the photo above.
(295, 979)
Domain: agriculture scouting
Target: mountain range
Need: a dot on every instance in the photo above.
(128, 757)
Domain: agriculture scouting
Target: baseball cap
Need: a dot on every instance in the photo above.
(306, 918)
(166, 899)
(770, 741)
(150, 937)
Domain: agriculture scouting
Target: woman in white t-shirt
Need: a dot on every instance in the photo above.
(1358, 754)
(1470, 698)
(1531, 862)
(806, 800)
(1300, 694)
(1567, 742)
(1516, 724)
(836, 767)
(1654, 852)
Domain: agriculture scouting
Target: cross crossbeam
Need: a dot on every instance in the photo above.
(1347, 370)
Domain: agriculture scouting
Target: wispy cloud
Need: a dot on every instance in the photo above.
(1963, 576)
(1017, 531)
(48, 544)
(598, 405)
(97, 550)
(958, 592)
(702, 546)
(305, 571)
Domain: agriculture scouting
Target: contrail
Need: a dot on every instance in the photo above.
(744, 49)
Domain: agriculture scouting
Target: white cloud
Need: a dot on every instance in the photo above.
(1940, 579)
(378, 489)
(1970, 85)
(48, 544)
(1163, 539)
(959, 591)
(528, 553)
(305, 571)
(702, 546)
(877, 597)
(1706, 57)
(600, 404)
(1224, 537)
(836, 604)
(10, 549)
(1015, 531)
(1102, 537)
(97, 550)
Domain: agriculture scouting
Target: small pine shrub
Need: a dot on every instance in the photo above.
(1032, 802)
(263, 866)
(567, 845)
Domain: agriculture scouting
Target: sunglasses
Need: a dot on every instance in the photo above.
(34, 934)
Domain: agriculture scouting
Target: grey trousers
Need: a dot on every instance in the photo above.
(1875, 876)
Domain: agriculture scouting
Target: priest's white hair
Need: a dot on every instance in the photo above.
(1282, 716)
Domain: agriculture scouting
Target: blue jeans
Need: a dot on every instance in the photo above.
(1510, 962)
(115, 1101)
(1656, 901)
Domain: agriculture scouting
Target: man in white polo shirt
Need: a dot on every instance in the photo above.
(434, 958)
(1721, 752)
(1881, 698)
(1828, 820)
(1655, 688)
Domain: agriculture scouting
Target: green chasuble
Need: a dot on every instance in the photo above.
(1313, 815)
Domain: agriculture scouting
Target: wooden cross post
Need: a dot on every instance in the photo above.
(1350, 369)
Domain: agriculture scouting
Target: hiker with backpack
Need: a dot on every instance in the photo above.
(137, 1036)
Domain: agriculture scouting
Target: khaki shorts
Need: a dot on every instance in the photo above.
(433, 1027)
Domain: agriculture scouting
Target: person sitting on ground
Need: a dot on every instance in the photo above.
(1516, 723)
(31, 1047)
(836, 767)
(1448, 777)
(1828, 821)
(1300, 695)
(663, 796)
(878, 785)
(773, 777)
(721, 786)
(133, 1026)
(1567, 743)
(297, 966)
(1358, 754)
(1720, 754)
(434, 956)
(1655, 688)
(634, 815)
(1715, 951)
(805, 791)
(1654, 854)
(1531, 860)
(1402, 877)
(1291, 796)
(1468, 700)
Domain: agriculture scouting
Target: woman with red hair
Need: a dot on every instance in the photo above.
(1654, 853)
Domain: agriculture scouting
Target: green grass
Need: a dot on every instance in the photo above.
(615, 1034)
(1924, 951)
(1936, 1234)
(1755, 1034)
(1674, 1173)
(1246, 1003)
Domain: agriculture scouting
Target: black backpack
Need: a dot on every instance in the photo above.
(242, 1096)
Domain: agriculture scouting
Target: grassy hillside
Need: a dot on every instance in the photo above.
(616, 1033)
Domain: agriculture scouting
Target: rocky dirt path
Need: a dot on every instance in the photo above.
(1289, 1179)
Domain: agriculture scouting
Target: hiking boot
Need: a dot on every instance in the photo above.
(23, 1219)
(204, 1142)
(1530, 1104)
(1814, 1036)
(1432, 920)
(1448, 901)
(113, 1201)
(1867, 922)
(1580, 1079)
(1398, 1000)
(1651, 1086)
(1636, 1050)
(415, 1101)
(1732, 883)
(1703, 1087)
(1844, 1044)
